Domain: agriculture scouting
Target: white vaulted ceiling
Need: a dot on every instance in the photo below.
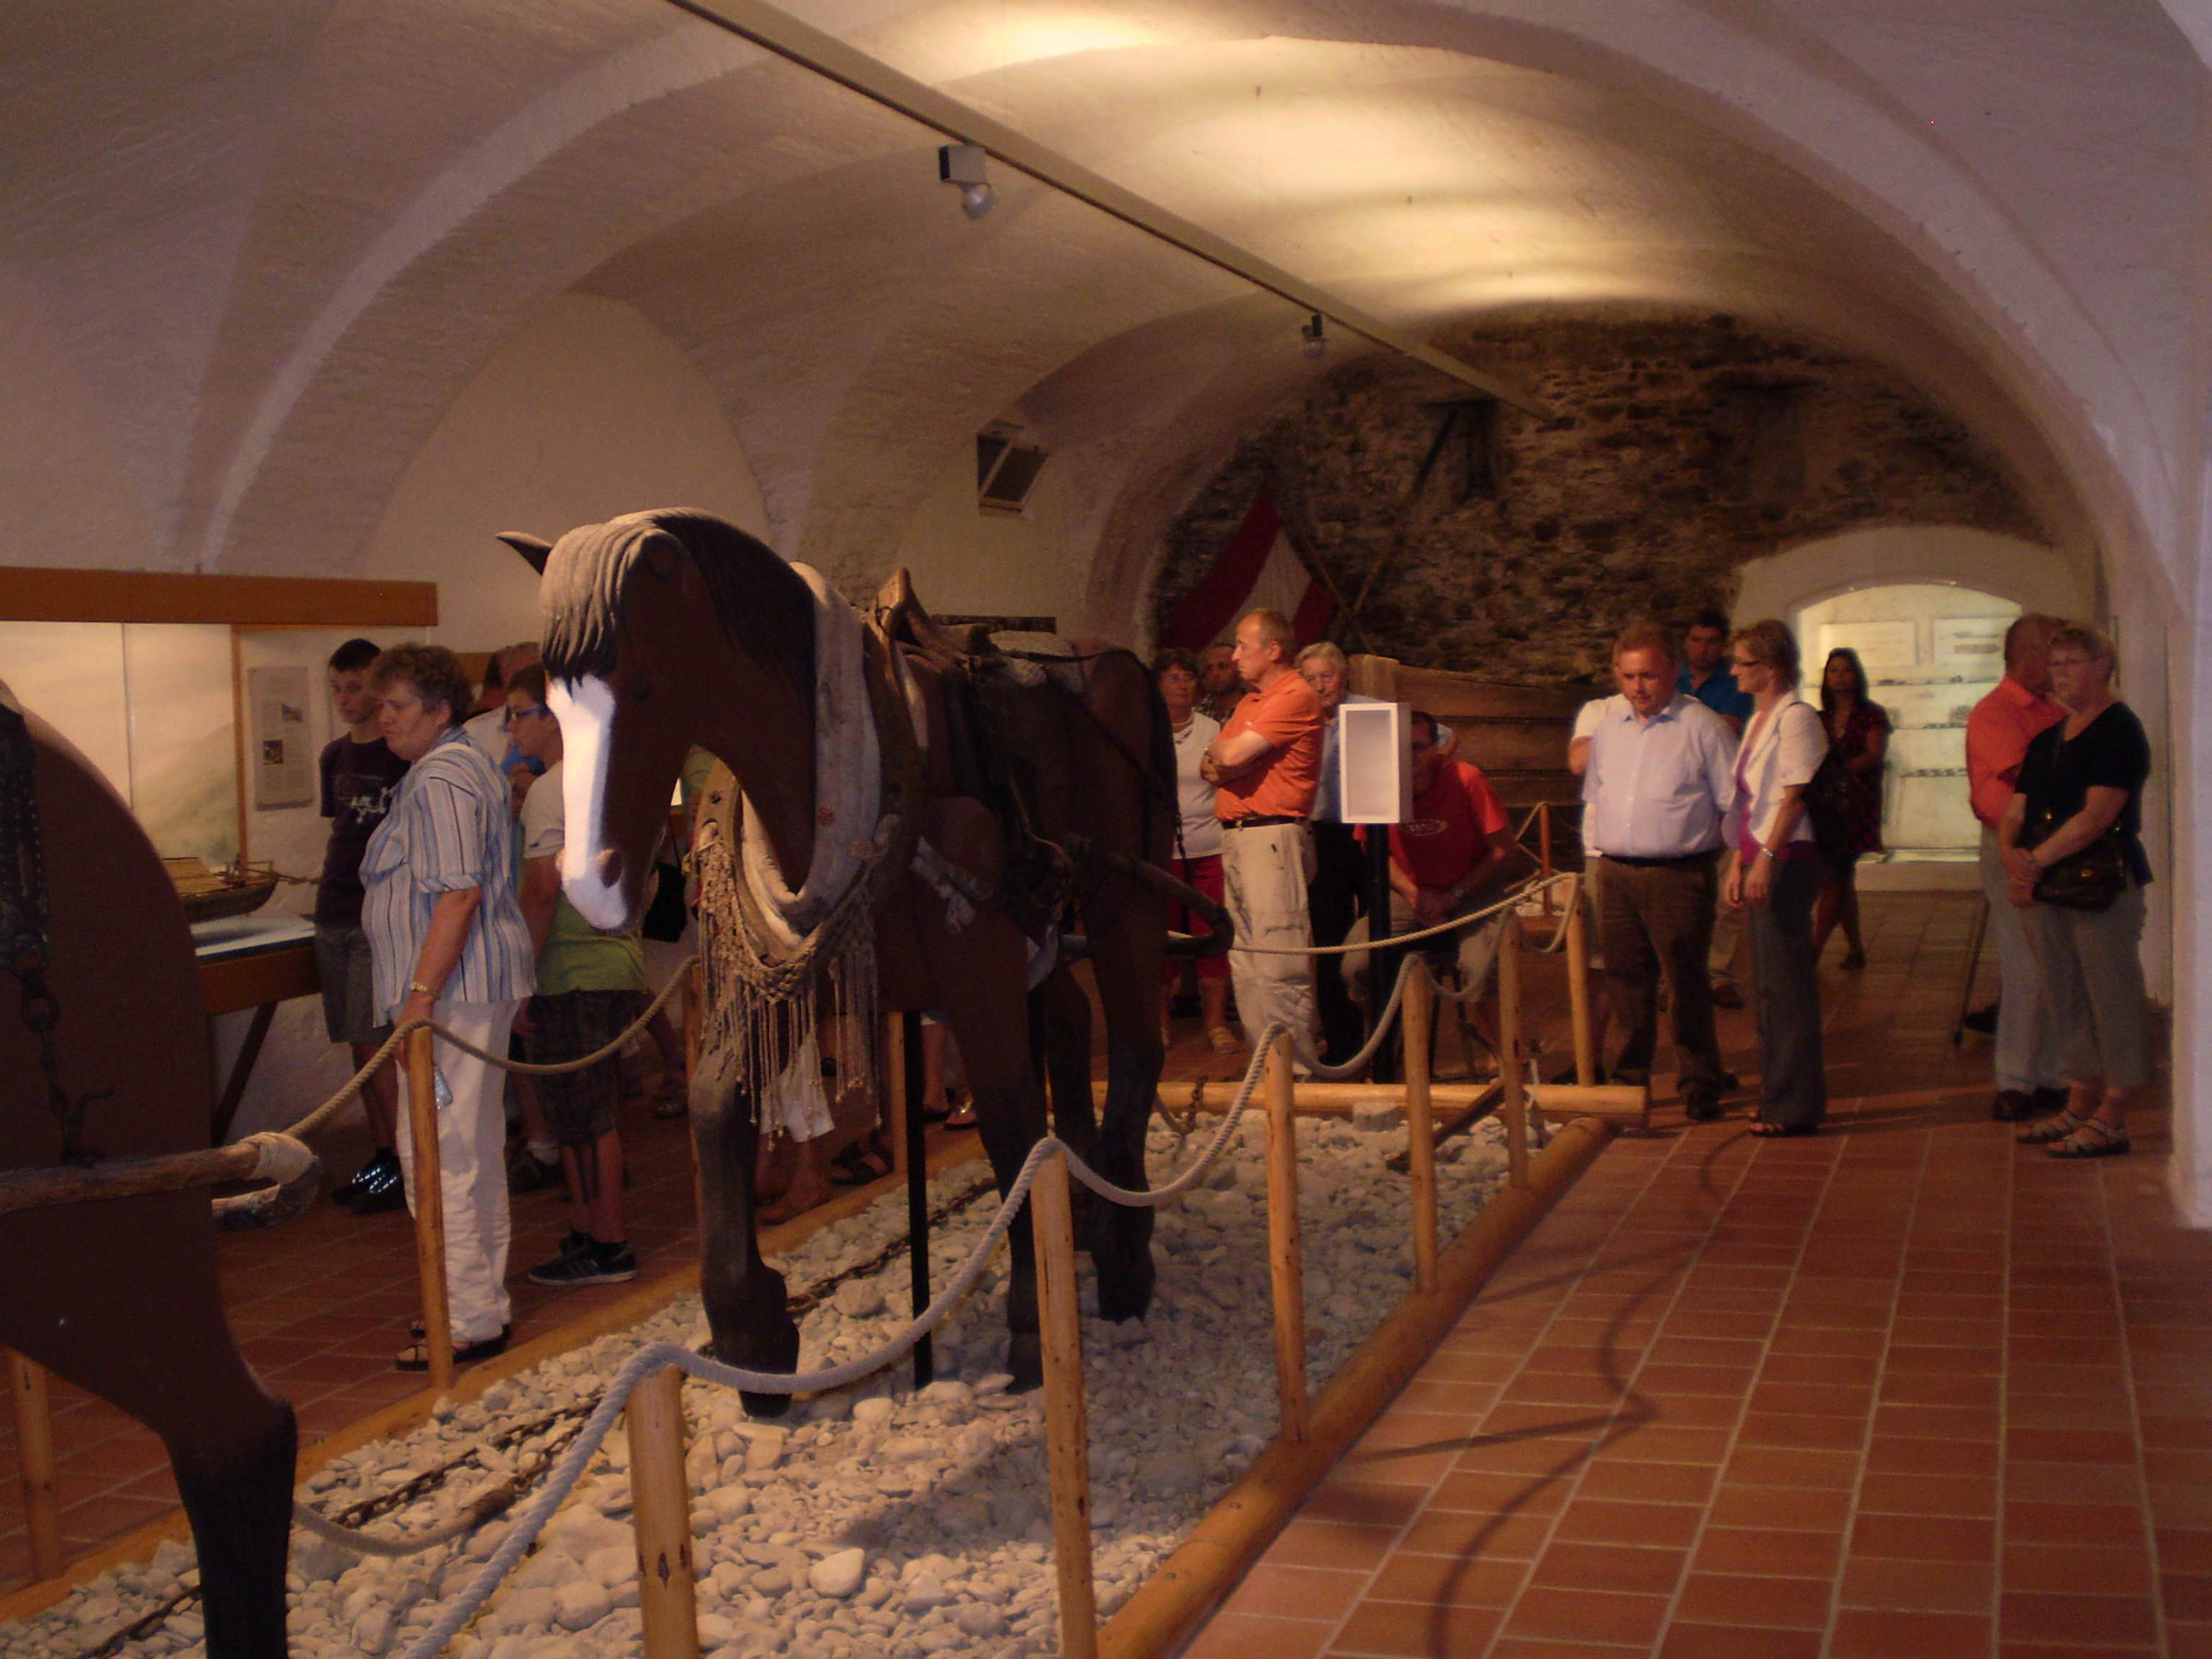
(251, 253)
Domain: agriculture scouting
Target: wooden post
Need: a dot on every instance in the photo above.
(1544, 842)
(35, 1450)
(1578, 995)
(1068, 1438)
(429, 1208)
(1516, 1108)
(1420, 1014)
(890, 1088)
(660, 1513)
(1285, 1241)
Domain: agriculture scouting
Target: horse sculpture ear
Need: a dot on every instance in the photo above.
(534, 550)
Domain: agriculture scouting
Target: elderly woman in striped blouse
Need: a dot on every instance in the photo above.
(447, 939)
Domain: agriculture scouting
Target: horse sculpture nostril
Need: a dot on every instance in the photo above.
(608, 867)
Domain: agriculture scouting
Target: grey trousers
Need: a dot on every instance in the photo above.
(1793, 1078)
(1266, 872)
(2093, 996)
(2028, 1044)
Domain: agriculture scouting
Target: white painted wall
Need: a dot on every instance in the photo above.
(589, 411)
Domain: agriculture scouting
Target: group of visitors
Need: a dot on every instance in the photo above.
(2056, 765)
(1261, 831)
(435, 904)
(1767, 804)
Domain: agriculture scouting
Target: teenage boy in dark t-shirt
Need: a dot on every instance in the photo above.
(358, 773)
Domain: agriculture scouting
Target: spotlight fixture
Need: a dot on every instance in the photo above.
(962, 164)
(1316, 342)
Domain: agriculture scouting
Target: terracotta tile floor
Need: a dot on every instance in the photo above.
(1903, 1389)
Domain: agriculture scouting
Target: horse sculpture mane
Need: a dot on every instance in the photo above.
(758, 598)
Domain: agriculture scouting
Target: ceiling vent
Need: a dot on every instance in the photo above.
(1006, 472)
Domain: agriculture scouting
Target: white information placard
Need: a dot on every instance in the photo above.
(283, 757)
(1374, 768)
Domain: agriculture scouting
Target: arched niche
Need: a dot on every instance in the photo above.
(2034, 576)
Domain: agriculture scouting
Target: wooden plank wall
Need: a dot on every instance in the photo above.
(1516, 734)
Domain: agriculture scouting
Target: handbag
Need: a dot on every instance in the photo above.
(2091, 879)
(1828, 804)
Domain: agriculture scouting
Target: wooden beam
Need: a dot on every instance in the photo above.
(38, 593)
(800, 43)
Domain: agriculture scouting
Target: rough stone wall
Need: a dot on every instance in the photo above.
(1681, 450)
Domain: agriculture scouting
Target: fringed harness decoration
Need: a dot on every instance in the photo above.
(771, 949)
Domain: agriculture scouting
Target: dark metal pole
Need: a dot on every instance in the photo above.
(917, 1193)
(1382, 964)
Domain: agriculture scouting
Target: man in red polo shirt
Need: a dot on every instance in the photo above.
(2029, 1050)
(1265, 767)
(1448, 859)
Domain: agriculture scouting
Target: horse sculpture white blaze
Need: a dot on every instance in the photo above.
(585, 708)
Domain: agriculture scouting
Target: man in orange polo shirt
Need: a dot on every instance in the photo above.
(1265, 767)
(1998, 732)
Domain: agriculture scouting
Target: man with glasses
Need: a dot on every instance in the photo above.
(1660, 778)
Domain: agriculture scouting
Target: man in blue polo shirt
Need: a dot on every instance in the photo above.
(1705, 676)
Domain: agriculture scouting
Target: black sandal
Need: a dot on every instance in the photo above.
(2094, 1138)
(859, 1165)
(416, 1356)
(1766, 1131)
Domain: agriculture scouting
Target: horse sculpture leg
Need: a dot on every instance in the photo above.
(1127, 961)
(747, 1310)
(173, 1366)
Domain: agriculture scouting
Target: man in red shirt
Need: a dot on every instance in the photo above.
(2028, 1050)
(1448, 859)
(1265, 767)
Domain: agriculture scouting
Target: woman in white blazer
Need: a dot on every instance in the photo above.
(1774, 876)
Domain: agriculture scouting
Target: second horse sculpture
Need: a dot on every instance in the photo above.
(912, 819)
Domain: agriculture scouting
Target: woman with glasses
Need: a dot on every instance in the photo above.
(1774, 874)
(2072, 844)
(448, 945)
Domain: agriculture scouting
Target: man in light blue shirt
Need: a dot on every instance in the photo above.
(1660, 779)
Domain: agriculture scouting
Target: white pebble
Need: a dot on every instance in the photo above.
(839, 1575)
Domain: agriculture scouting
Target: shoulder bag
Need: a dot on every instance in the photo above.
(2091, 879)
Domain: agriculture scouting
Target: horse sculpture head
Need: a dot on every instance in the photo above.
(662, 630)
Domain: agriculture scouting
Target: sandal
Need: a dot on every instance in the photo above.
(962, 1116)
(1766, 1131)
(1223, 1039)
(2060, 1126)
(858, 1166)
(2094, 1138)
(416, 1356)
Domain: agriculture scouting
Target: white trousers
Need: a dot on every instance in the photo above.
(1266, 872)
(471, 1165)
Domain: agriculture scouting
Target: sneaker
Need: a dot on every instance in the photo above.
(595, 1264)
(526, 1172)
(366, 1177)
(377, 1190)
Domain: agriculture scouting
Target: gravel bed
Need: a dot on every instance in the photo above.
(875, 1520)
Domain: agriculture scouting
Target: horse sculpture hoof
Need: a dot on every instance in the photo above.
(1125, 1287)
(1026, 1364)
(782, 1355)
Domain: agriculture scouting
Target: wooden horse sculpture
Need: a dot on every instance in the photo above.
(119, 1296)
(667, 629)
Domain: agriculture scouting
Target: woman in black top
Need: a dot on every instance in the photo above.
(2081, 785)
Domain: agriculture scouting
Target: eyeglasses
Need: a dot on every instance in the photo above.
(541, 712)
